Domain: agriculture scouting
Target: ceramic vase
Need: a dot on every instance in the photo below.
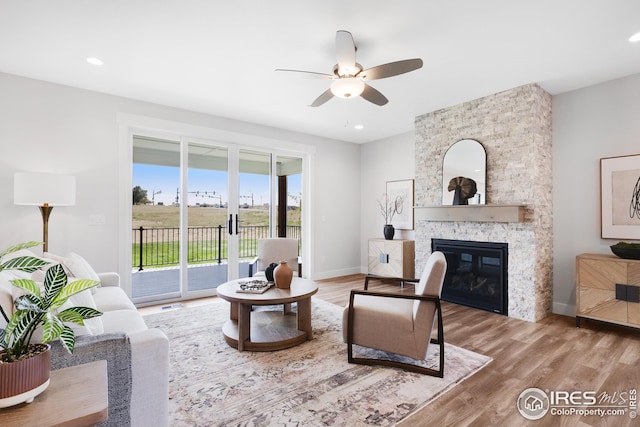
(268, 272)
(389, 231)
(282, 275)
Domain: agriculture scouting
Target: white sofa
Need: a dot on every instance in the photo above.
(137, 357)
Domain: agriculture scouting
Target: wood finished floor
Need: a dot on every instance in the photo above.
(551, 355)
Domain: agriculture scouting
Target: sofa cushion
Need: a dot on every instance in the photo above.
(85, 299)
(80, 268)
(74, 265)
(128, 321)
(112, 298)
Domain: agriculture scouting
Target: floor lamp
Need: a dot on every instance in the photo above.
(45, 190)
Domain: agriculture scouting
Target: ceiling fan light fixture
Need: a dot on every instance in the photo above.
(347, 87)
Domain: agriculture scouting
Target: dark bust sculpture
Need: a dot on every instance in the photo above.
(465, 188)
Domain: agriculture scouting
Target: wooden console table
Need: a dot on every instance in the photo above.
(392, 258)
(608, 289)
(76, 397)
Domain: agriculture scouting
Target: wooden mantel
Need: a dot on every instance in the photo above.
(470, 213)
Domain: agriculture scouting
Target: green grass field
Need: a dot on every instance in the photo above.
(163, 249)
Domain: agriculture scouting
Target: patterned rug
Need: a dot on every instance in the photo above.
(212, 384)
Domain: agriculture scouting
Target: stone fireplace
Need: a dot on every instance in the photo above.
(515, 129)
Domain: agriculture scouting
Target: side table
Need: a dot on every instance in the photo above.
(76, 397)
(392, 258)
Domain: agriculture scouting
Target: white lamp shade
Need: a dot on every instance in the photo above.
(347, 87)
(44, 188)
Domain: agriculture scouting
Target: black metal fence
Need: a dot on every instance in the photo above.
(156, 247)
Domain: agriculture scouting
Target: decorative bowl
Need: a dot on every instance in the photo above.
(626, 250)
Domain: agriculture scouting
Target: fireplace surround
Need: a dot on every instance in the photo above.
(514, 126)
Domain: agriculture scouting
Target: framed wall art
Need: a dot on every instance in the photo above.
(620, 197)
(401, 194)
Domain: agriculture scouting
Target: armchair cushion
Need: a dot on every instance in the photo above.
(273, 251)
(398, 323)
(390, 318)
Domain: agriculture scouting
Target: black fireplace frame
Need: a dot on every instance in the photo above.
(452, 249)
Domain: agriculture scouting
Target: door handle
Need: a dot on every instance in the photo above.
(237, 224)
(230, 227)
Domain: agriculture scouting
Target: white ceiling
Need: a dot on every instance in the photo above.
(219, 57)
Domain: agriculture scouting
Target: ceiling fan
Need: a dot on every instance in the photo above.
(350, 79)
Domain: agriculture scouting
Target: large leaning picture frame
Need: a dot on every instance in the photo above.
(401, 193)
(620, 197)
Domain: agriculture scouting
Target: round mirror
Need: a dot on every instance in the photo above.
(464, 174)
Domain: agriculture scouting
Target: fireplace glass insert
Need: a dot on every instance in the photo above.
(476, 273)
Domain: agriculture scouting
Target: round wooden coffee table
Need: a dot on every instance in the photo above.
(268, 330)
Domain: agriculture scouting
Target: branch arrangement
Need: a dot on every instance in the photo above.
(389, 208)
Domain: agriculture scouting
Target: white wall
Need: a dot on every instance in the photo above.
(588, 124)
(47, 127)
(389, 159)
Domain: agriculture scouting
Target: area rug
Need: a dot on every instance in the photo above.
(212, 384)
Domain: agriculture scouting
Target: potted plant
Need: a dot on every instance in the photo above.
(388, 209)
(25, 366)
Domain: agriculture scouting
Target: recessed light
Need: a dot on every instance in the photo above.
(635, 38)
(95, 61)
(358, 127)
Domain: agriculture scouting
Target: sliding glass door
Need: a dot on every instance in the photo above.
(254, 207)
(155, 219)
(198, 210)
(206, 213)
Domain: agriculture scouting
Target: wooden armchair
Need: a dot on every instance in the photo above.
(398, 323)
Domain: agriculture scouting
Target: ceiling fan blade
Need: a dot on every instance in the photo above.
(346, 53)
(391, 69)
(324, 97)
(373, 95)
(311, 74)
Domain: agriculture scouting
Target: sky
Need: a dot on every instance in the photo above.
(206, 186)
